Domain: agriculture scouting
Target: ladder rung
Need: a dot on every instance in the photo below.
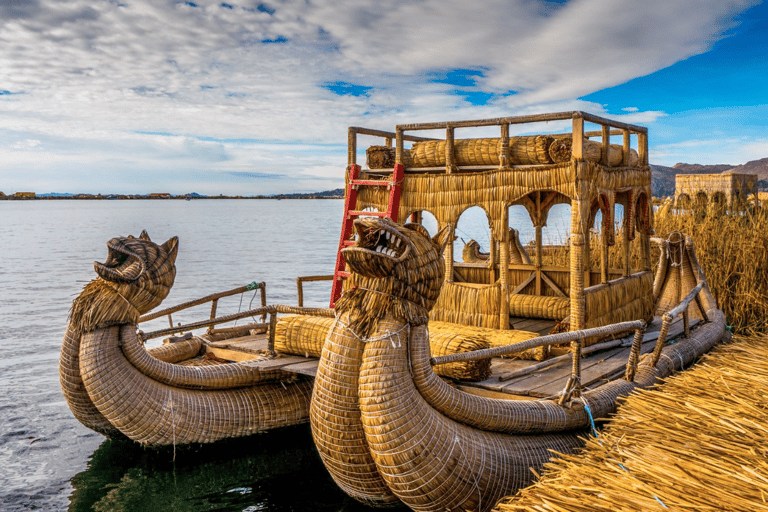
(342, 275)
(357, 213)
(348, 243)
(372, 183)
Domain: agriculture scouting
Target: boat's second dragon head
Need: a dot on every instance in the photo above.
(397, 270)
(136, 277)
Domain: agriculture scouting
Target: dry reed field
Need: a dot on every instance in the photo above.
(733, 251)
(697, 442)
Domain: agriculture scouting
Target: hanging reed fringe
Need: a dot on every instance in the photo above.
(695, 443)
(560, 151)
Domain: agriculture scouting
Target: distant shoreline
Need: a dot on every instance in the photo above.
(29, 196)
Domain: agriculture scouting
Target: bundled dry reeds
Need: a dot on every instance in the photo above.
(695, 443)
(468, 305)
(305, 335)
(561, 148)
(732, 252)
(492, 338)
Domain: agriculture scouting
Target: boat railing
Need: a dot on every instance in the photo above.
(307, 279)
(576, 338)
(608, 128)
(270, 311)
(669, 316)
(214, 300)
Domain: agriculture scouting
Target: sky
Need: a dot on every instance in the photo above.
(250, 98)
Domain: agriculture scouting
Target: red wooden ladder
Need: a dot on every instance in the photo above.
(351, 213)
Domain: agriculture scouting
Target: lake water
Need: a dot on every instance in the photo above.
(49, 460)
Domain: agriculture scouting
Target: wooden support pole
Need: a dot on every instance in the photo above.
(351, 147)
(577, 148)
(606, 147)
(625, 159)
(504, 155)
(399, 145)
(504, 274)
(449, 149)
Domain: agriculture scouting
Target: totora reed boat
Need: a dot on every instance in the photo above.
(565, 341)
(436, 381)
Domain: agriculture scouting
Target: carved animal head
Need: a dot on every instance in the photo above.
(136, 277)
(396, 270)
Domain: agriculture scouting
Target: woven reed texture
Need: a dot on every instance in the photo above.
(537, 306)
(695, 443)
(629, 298)
(527, 150)
(490, 337)
(478, 307)
(447, 196)
(305, 335)
(153, 413)
(422, 436)
(136, 277)
(560, 151)
(432, 462)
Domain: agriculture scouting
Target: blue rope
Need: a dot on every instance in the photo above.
(252, 286)
(591, 419)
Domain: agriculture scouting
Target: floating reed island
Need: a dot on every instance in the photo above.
(697, 442)
(436, 383)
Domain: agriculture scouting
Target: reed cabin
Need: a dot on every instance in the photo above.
(595, 165)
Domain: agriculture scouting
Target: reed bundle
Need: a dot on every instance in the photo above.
(305, 335)
(492, 338)
(560, 150)
(468, 305)
(539, 306)
(695, 443)
(625, 299)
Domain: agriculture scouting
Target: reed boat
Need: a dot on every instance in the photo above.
(567, 340)
(210, 379)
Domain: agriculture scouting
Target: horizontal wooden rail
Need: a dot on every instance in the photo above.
(202, 300)
(541, 341)
(306, 279)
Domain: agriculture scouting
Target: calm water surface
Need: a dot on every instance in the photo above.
(49, 460)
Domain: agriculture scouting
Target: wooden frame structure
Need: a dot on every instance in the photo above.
(596, 176)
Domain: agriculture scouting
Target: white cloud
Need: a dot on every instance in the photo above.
(90, 80)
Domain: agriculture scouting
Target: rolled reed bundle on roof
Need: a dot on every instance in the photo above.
(492, 337)
(526, 150)
(468, 305)
(305, 335)
(696, 442)
(383, 157)
(560, 151)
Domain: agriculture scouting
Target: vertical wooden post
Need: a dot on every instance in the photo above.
(625, 155)
(504, 155)
(626, 241)
(449, 149)
(504, 273)
(448, 258)
(388, 142)
(606, 147)
(351, 147)
(642, 148)
(398, 145)
(577, 266)
(577, 147)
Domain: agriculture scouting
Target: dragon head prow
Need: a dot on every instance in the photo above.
(397, 270)
(135, 278)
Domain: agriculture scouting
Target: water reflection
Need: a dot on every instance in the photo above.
(280, 470)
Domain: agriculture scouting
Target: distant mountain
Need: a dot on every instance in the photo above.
(701, 169)
(663, 180)
(759, 167)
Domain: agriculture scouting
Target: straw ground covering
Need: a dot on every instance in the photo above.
(695, 443)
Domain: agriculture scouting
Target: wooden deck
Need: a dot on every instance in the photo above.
(596, 368)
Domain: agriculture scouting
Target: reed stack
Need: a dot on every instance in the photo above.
(697, 442)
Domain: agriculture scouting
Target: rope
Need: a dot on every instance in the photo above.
(389, 334)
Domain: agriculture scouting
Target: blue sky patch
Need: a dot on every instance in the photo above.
(347, 89)
(278, 39)
(227, 6)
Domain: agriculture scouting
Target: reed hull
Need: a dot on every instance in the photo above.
(337, 429)
(155, 413)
